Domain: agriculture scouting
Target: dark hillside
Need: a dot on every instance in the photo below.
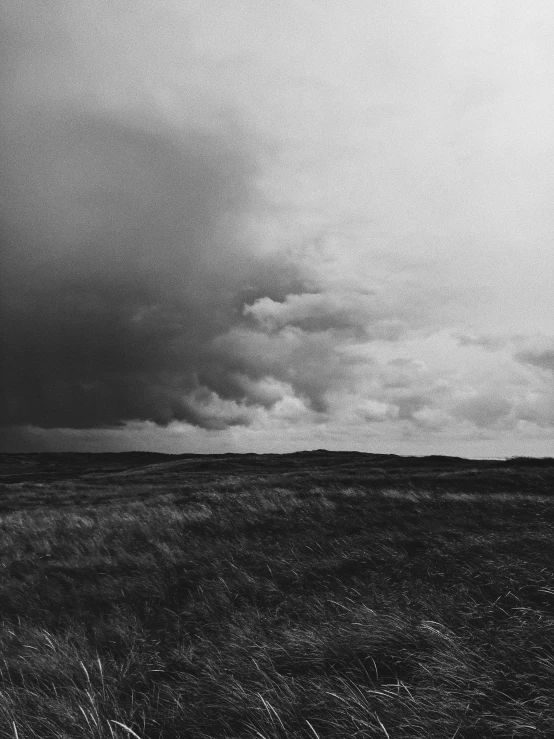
(141, 475)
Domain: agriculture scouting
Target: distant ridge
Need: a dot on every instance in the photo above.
(50, 466)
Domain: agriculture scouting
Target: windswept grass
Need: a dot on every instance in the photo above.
(300, 607)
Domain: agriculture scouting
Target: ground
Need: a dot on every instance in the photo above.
(274, 596)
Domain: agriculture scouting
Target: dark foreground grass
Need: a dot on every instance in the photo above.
(257, 610)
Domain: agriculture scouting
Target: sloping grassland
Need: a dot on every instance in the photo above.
(318, 594)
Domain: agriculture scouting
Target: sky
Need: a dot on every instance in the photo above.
(254, 226)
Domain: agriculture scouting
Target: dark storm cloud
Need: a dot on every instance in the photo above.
(121, 261)
(129, 293)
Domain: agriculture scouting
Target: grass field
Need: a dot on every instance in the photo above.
(329, 595)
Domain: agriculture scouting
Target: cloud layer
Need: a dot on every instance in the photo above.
(237, 225)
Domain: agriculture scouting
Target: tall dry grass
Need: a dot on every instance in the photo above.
(327, 610)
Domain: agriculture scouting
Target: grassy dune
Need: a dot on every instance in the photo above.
(310, 595)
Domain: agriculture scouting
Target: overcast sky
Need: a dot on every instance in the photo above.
(254, 225)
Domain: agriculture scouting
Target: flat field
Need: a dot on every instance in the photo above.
(317, 594)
